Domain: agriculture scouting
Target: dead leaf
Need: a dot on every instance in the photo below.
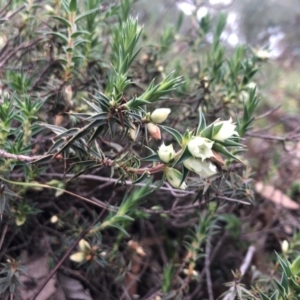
(269, 192)
(36, 270)
(217, 159)
(73, 288)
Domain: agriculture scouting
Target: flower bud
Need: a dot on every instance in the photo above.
(132, 132)
(20, 220)
(54, 219)
(285, 246)
(166, 153)
(154, 131)
(226, 131)
(160, 115)
(69, 94)
(174, 177)
(78, 257)
(49, 9)
(200, 147)
(192, 273)
(84, 245)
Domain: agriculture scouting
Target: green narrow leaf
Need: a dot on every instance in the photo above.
(295, 266)
(63, 21)
(280, 288)
(202, 122)
(96, 133)
(184, 155)
(78, 33)
(185, 173)
(144, 176)
(173, 132)
(73, 6)
(285, 265)
(152, 158)
(220, 149)
(207, 132)
(60, 35)
(87, 13)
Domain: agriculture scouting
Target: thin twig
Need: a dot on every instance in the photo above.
(243, 268)
(274, 138)
(3, 235)
(207, 270)
(28, 184)
(21, 47)
(178, 193)
(19, 157)
(5, 7)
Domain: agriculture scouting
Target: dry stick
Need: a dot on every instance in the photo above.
(21, 47)
(207, 270)
(5, 7)
(19, 157)
(97, 203)
(114, 180)
(294, 137)
(243, 268)
(67, 254)
(3, 236)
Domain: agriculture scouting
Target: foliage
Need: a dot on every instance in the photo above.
(82, 100)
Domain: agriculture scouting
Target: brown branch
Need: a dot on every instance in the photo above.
(5, 7)
(21, 47)
(19, 157)
(288, 137)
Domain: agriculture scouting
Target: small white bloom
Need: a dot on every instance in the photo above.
(174, 177)
(200, 147)
(285, 246)
(166, 153)
(226, 131)
(78, 257)
(203, 168)
(262, 54)
(84, 245)
(160, 115)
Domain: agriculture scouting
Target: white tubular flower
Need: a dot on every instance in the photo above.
(226, 131)
(174, 177)
(166, 153)
(200, 147)
(193, 164)
(209, 169)
(160, 115)
(78, 257)
(84, 245)
(202, 168)
(154, 131)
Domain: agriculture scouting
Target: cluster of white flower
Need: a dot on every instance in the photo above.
(199, 147)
